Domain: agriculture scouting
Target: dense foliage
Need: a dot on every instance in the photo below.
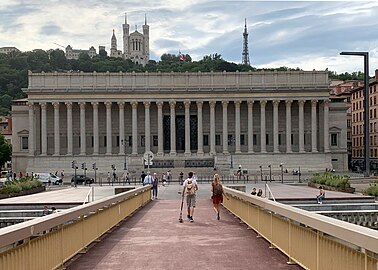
(14, 68)
(331, 180)
(372, 189)
(5, 150)
(16, 186)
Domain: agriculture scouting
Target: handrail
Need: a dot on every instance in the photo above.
(351, 233)
(90, 192)
(270, 192)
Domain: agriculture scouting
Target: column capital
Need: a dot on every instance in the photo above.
(187, 104)
(212, 103)
(159, 104)
(121, 104)
(134, 104)
(108, 104)
(237, 103)
(276, 103)
(263, 103)
(199, 104)
(30, 104)
(43, 105)
(288, 103)
(147, 104)
(314, 102)
(172, 104)
(55, 104)
(68, 104)
(326, 102)
(224, 103)
(94, 104)
(250, 102)
(82, 105)
(301, 102)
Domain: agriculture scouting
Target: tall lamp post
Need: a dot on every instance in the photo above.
(281, 165)
(261, 173)
(270, 172)
(366, 108)
(124, 142)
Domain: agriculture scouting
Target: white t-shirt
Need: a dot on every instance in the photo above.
(148, 180)
(193, 181)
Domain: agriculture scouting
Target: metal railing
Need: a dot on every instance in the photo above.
(308, 239)
(270, 193)
(48, 242)
(90, 195)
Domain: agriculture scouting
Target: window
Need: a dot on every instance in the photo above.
(279, 139)
(334, 139)
(205, 140)
(349, 123)
(117, 141)
(104, 141)
(92, 141)
(348, 135)
(142, 140)
(155, 140)
(230, 139)
(242, 139)
(254, 139)
(130, 140)
(292, 139)
(217, 139)
(24, 143)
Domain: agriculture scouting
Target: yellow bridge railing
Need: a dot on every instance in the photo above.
(48, 242)
(308, 239)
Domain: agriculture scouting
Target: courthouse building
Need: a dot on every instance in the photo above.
(187, 120)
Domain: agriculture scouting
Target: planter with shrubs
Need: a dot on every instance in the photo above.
(23, 186)
(372, 189)
(330, 181)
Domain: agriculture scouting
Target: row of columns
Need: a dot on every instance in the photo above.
(172, 105)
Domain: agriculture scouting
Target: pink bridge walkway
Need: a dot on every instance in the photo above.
(153, 238)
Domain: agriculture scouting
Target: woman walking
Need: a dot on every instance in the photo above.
(218, 192)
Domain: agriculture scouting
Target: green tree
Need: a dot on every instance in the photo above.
(5, 150)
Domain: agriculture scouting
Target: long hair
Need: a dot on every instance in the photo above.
(216, 179)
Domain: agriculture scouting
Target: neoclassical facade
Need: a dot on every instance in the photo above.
(185, 119)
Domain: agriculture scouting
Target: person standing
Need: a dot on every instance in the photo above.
(181, 177)
(142, 176)
(190, 188)
(218, 192)
(148, 179)
(155, 183)
(61, 177)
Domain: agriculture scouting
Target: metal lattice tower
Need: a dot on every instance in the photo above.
(245, 54)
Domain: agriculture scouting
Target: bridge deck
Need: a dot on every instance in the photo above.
(154, 239)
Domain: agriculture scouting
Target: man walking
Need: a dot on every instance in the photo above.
(190, 188)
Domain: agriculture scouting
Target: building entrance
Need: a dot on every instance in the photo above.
(180, 133)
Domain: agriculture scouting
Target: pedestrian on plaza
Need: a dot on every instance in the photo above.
(169, 176)
(155, 183)
(53, 210)
(142, 176)
(14, 176)
(190, 188)
(321, 196)
(259, 193)
(45, 211)
(148, 179)
(218, 192)
(20, 174)
(61, 177)
(108, 177)
(253, 191)
(164, 179)
(181, 177)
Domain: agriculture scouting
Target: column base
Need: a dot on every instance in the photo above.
(108, 154)
(251, 152)
(160, 154)
(187, 154)
(238, 152)
(69, 154)
(82, 154)
(173, 154)
(314, 151)
(200, 154)
(56, 155)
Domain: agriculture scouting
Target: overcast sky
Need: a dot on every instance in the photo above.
(303, 34)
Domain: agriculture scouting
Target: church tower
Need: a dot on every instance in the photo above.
(113, 47)
(126, 34)
(245, 54)
(146, 39)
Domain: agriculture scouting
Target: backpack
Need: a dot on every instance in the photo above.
(217, 190)
(190, 188)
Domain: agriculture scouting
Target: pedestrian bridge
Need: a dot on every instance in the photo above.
(130, 231)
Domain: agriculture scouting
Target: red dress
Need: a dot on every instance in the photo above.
(217, 199)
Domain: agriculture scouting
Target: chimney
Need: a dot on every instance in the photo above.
(376, 74)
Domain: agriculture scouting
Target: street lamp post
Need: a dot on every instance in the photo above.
(366, 108)
(124, 142)
(270, 173)
(281, 165)
(261, 173)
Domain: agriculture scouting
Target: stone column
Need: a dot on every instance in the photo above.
(262, 126)
(326, 126)
(301, 125)
(187, 127)
(172, 105)
(69, 129)
(56, 129)
(31, 129)
(147, 134)
(160, 128)
(44, 129)
(82, 129)
(200, 128)
(237, 126)
(95, 128)
(134, 106)
(250, 126)
(314, 147)
(276, 103)
(122, 141)
(108, 106)
(225, 127)
(288, 126)
(212, 104)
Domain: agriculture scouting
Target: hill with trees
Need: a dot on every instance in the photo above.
(14, 68)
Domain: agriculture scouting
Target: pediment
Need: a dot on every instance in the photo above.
(335, 129)
(23, 132)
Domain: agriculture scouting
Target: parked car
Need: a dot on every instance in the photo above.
(81, 179)
(47, 178)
